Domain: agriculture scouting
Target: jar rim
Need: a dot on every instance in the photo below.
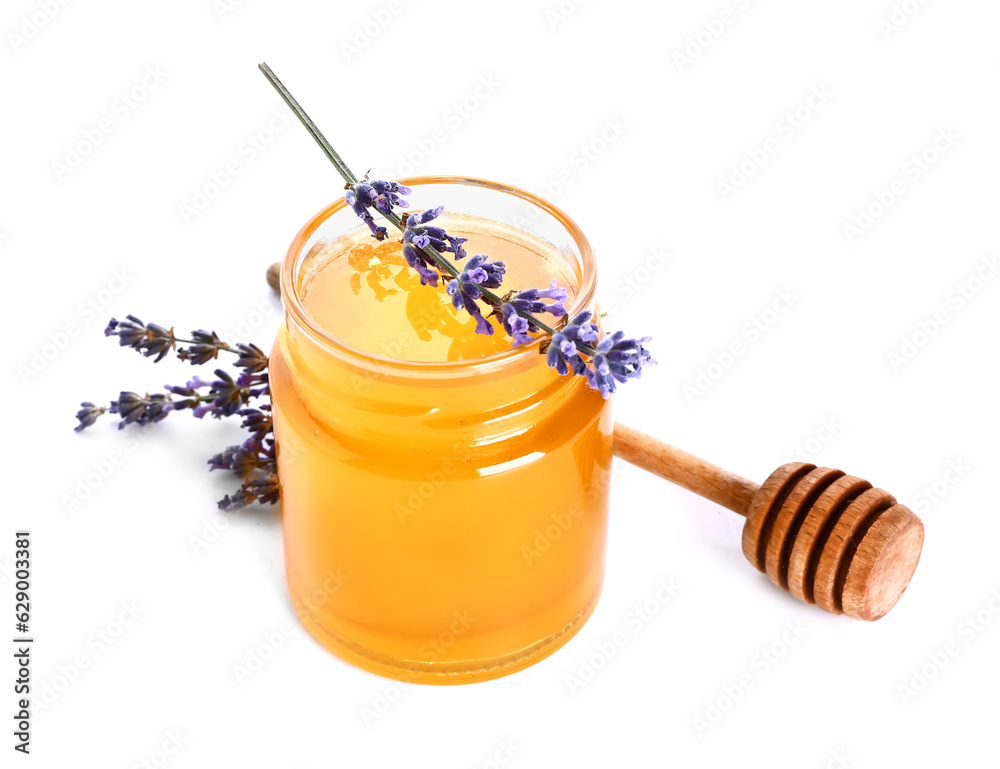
(293, 304)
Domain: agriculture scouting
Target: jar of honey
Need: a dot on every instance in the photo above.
(444, 497)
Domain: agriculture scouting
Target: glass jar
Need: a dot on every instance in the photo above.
(444, 522)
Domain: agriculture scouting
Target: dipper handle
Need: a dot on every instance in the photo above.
(828, 538)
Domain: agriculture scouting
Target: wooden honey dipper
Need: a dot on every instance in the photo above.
(827, 538)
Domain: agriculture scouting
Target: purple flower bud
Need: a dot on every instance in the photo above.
(417, 237)
(149, 339)
(381, 195)
(87, 415)
(617, 360)
(515, 325)
(465, 289)
(357, 202)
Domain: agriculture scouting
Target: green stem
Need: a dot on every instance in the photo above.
(445, 264)
(300, 113)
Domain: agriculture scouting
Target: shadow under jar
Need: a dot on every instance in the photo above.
(444, 497)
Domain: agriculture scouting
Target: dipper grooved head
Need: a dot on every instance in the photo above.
(833, 540)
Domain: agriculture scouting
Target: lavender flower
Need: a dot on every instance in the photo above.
(617, 360)
(226, 396)
(465, 289)
(205, 348)
(262, 487)
(258, 422)
(246, 458)
(225, 459)
(149, 339)
(564, 350)
(389, 195)
(529, 301)
(515, 325)
(140, 409)
(252, 358)
(254, 461)
(418, 235)
(88, 414)
(380, 195)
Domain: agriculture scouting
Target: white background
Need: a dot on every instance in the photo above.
(820, 381)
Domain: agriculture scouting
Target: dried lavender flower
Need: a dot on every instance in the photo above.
(257, 421)
(206, 346)
(262, 487)
(148, 338)
(252, 358)
(255, 460)
(88, 414)
(140, 409)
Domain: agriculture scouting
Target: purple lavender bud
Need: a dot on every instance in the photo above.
(413, 242)
(361, 209)
(88, 414)
(418, 235)
(365, 194)
(616, 361)
(140, 410)
(515, 325)
(465, 289)
(205, 348)
(257, 421)
(200, 410)
(149, 339)
(558, 358)
(381, 195)
(463, 296)
(388, 194)
(488, 274)
(530, 300)
(223, 460)
(252, 358)
(422, 217)
(565, 347)
(130, 332)
(261, 487)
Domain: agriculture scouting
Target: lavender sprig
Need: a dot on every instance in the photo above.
(604, 365)
(254, 460)
(152, 339)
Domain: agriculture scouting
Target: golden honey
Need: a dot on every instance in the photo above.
(444, 497)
